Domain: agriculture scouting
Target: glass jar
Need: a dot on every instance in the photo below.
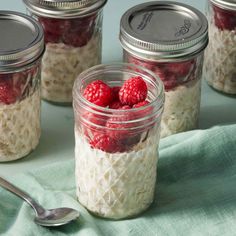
(169, 38)
(116, 150)
(21, 49)
(220, 60)
(73, 37)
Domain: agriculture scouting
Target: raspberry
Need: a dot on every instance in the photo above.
(180, 69)
(140, 104)
(98, 93)
(115, 105)
(115, 93)
(90, 121)
(105, 143)
(8, 94)
(224, 19)
(133, 91)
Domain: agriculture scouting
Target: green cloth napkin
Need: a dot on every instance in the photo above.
(196, 193)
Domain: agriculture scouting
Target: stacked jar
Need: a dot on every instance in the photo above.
(220, 61)
(117, 141)
(21, 49)
(169, 38)
(73, 37)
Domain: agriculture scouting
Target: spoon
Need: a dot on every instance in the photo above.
(44, 217)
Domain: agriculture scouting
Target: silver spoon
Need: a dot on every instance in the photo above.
(44, 217)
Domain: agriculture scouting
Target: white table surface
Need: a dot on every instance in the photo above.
(57, 140)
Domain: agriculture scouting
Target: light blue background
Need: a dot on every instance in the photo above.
(57, 141)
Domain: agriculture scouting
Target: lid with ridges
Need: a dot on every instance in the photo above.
(163, 30)
(63, 8)
(21, 40)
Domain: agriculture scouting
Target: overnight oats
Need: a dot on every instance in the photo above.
(220, 60)
(117, 129)
(172, 46)
(20, 65)
(73, 37)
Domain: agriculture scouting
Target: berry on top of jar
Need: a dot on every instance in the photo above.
(118, 138)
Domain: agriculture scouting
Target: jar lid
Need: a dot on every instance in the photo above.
(63, 8)
(21, 40)
(228, 4)
(163, 30)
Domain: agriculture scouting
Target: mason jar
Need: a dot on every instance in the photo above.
(220, 60)
(73, 37)
(169, 38)
(21, 50)
(116, 150)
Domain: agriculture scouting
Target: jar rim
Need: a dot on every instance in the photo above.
(158, 101)
(64, 9)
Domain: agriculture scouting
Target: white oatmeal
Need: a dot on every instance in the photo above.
(19, 127)
(62, 64)
(181, 109)
(220, 60)
(116, 185)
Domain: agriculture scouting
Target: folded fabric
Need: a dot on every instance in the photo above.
(195, 195)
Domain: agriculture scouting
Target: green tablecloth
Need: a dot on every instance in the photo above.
(196, 193)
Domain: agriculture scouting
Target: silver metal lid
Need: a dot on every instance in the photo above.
(63, 8)
(227, 4)
(21, 40)
(162, 30)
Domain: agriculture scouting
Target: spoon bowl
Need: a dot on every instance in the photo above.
(44, 217)
(56, 217)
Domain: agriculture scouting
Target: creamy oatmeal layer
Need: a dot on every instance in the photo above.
(116, 185)
(181, 109)
(62, 64)
(19, 127)
(220, 60)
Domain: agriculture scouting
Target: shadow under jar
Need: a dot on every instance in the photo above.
(220, 61)
(116, 150)
(21, 49)
(169, 38)
(73, 37)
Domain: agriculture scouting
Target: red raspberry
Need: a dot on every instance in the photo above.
(125, 107)
(180, 69)
(140, 104)
(115, 105)
(115, 93)
(92, 123)
(105, 143)
(120, 131)
(98, 93)
(8, 93)
(134, 90)
(224, 19)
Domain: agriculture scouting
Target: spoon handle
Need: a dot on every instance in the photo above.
(23, 195)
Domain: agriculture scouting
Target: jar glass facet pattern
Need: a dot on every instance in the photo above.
(120, 182)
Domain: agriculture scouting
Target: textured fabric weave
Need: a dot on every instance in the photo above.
(195, 195)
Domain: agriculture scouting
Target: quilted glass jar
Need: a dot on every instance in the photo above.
(116, 164)
(73, 37)
(169, 38)
(20, 63)
(220, 60)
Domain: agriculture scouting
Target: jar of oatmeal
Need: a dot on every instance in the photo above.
(169, 38)
(21, 49)
(73, 37)
(220, 60)
(116, 149)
